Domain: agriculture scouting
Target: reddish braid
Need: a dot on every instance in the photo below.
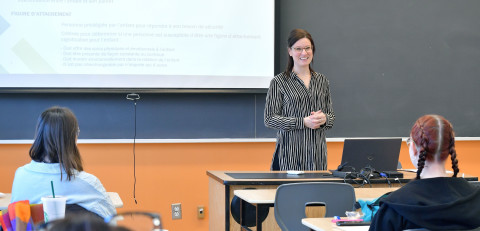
(453, 156)
(423, 151)
(435, 140)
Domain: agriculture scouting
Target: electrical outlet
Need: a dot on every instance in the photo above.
(176, 211)
(201, 211)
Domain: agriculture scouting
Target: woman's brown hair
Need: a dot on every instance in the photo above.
(295, 35)
(435, 140)
(56, 140)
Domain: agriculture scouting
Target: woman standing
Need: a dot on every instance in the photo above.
(298, 104)
(55, 157)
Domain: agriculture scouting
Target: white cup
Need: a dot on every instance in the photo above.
(54, 208)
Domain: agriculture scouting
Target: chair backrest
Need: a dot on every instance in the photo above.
(291, 200)
(74, 209)
(475, 183)
(136, 220)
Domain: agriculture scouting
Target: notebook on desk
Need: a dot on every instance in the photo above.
(379, 154)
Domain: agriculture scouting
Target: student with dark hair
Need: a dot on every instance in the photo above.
(55, 157)
(299, 106)
(81, 223)
(434, 200)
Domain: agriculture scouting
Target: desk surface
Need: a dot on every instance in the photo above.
(223, 178)
(117, 201)
(267, 196)
(326, 224)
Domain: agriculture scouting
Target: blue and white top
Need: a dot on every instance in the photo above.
(32, 182)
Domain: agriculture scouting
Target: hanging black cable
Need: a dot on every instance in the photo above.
(134, 97)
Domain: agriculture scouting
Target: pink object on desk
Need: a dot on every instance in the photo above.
(335, 220)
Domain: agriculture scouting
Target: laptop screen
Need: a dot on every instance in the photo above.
(379, 154)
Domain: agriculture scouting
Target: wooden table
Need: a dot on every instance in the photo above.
(117, 201)
(4, 200)
(266, 197)
(221, 187)
(326, 224)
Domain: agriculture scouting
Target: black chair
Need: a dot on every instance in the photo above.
(291, 201)
(74, 209)
(475, 183)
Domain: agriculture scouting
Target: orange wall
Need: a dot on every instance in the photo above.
(176, 173)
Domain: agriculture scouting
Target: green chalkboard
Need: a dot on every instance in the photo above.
(388, 63)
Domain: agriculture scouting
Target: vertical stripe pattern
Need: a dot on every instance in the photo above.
(288, 102)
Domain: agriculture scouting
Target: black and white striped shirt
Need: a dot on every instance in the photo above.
(288, 102)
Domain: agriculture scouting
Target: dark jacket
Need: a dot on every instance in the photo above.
(442, 203)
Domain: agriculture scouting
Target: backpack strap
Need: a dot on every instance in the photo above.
(376, 203)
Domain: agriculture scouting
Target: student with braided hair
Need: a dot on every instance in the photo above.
(435, 200)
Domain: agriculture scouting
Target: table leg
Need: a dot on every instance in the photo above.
(242, 215)
(258, 222)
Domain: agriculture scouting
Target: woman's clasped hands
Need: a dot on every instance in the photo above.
(315, 120)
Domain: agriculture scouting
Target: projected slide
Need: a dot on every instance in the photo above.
(136, 44)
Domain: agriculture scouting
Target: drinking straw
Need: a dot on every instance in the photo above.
(53, 191)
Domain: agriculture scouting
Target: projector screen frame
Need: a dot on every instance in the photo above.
(130, 90)
(262, 88)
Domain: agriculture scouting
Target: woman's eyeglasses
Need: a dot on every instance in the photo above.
(300, 49)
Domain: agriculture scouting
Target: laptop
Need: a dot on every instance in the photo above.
(379, 154)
